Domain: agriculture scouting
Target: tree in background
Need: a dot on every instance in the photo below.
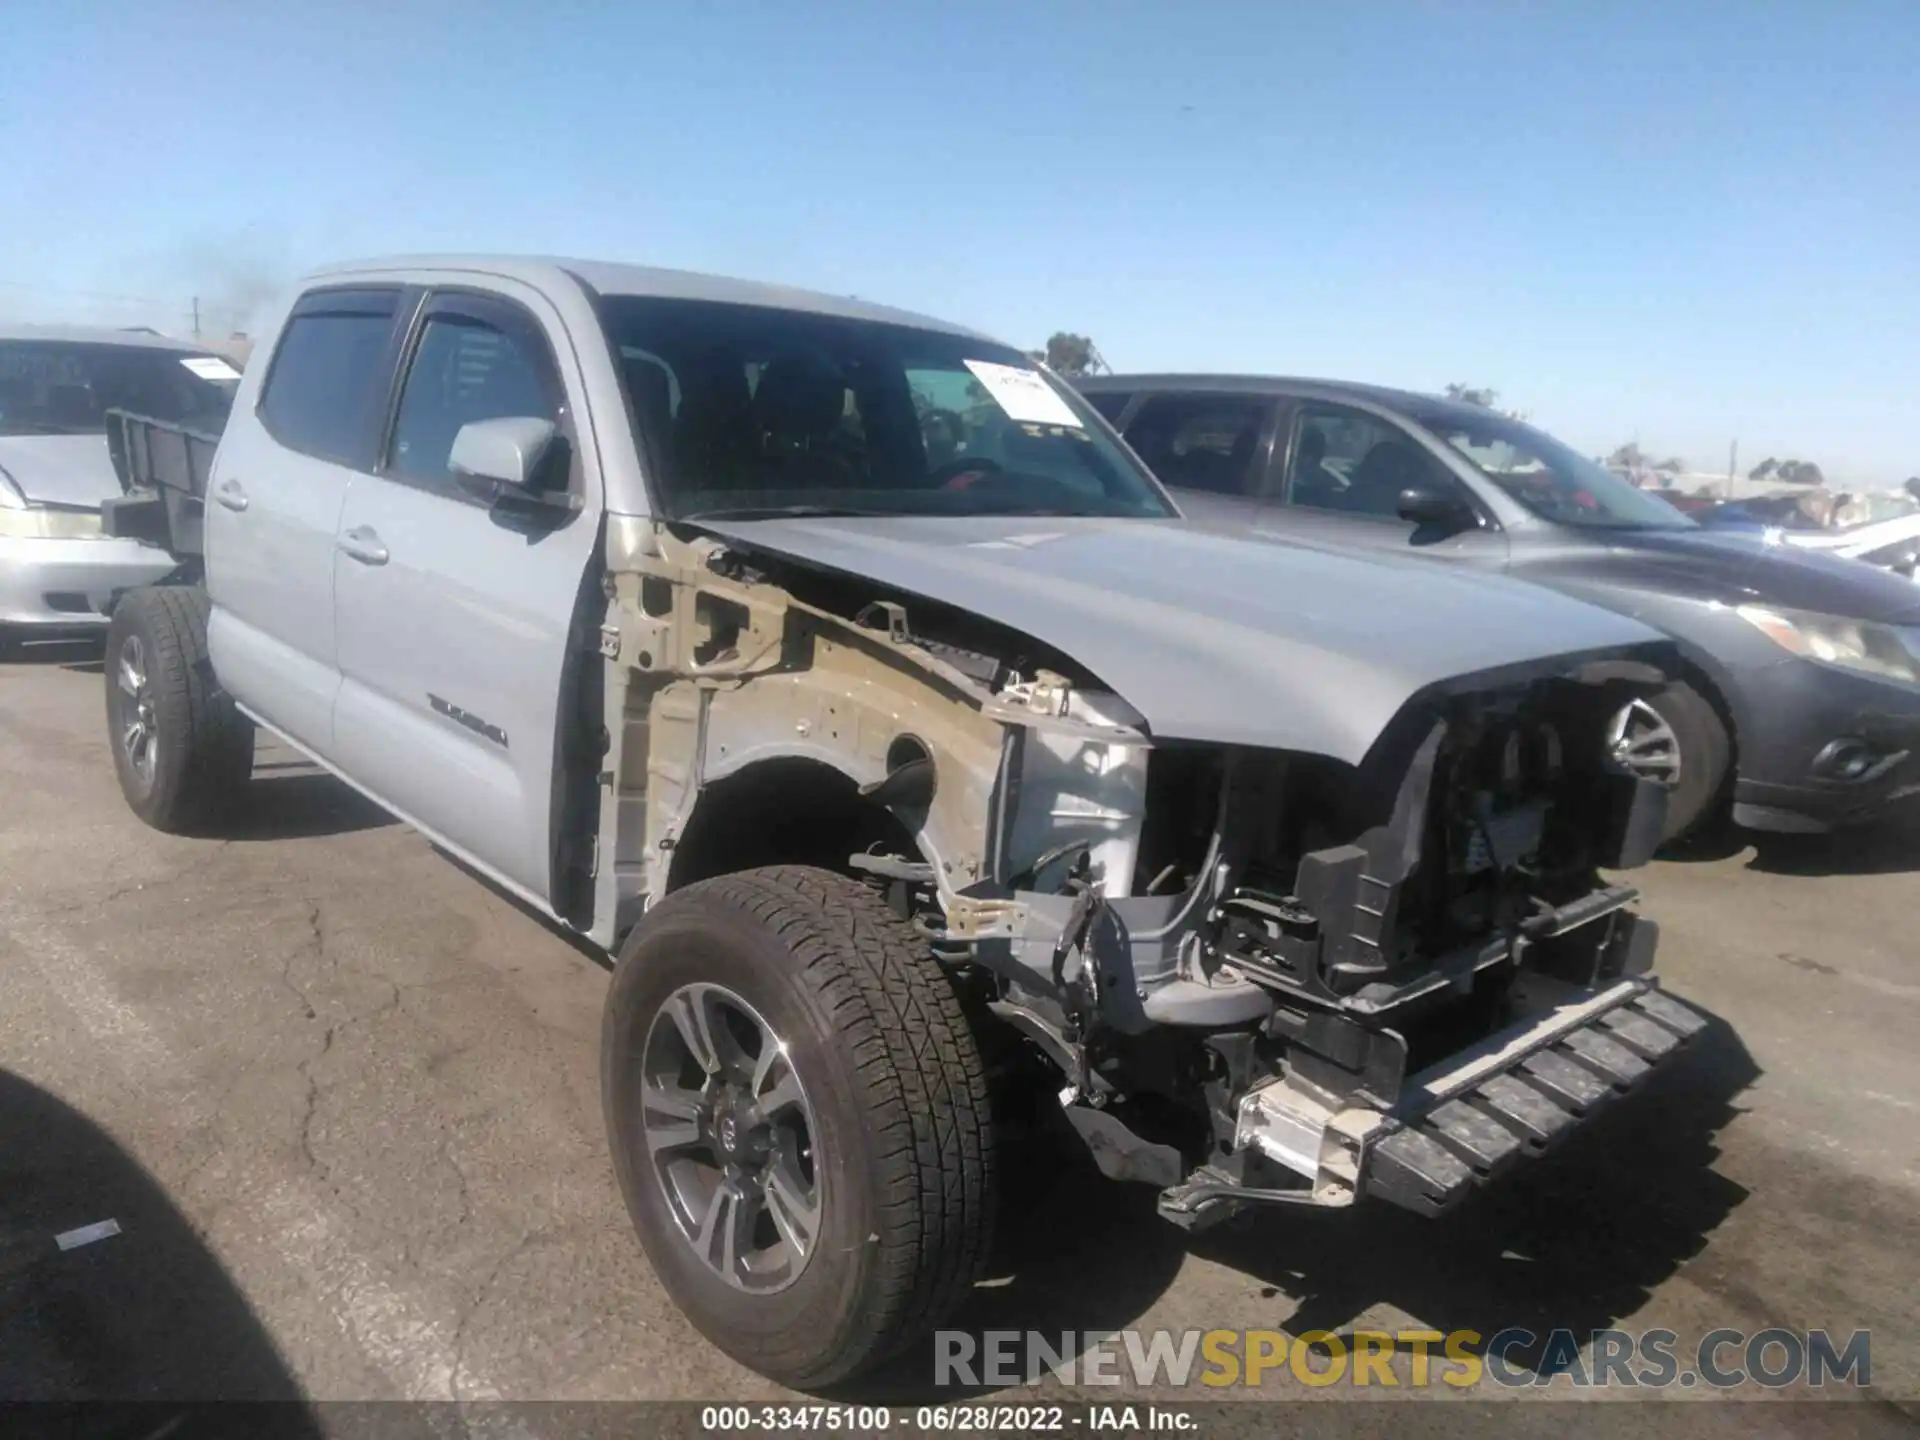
(1070, 354)
(1485, 396)
(1479, 395)
(1631, 457)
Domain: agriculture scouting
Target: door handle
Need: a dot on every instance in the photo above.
(229, 494)
(362, 544)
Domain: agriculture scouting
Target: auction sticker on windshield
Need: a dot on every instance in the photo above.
(1023, 394)
(209, 367)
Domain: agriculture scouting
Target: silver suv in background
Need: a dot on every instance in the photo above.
(59, 572)
(839, 671)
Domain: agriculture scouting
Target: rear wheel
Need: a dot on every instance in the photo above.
(182, 751)
(799, 1120)
(1676, 739)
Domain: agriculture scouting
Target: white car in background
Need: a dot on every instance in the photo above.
(60, 574)
(1888, 535)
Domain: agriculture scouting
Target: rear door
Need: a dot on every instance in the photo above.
(1210, 450)
(274, 497)
(457, 617)
(1342, 471)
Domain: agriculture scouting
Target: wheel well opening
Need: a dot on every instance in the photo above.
(783, 812)
(906, 749)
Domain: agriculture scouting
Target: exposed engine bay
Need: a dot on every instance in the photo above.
(1252, 975)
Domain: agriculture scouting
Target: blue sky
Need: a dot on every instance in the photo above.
(1684, 222)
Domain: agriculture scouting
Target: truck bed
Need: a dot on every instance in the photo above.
(163, 471)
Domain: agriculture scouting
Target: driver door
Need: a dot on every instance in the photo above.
(1343, 471)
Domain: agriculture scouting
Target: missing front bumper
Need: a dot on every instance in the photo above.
(1467, 1121)
(1459, 1124)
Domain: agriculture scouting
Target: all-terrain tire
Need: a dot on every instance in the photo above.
(904, 1133)
(157, 675)
(1706, 756)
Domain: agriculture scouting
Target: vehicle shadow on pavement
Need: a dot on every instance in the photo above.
(1888, 846)
(1576, 1239)
(1075, 1253)
(78, 653)
(300, 802)
(145, 1318)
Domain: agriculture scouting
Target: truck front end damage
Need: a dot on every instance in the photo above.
(1254, 975)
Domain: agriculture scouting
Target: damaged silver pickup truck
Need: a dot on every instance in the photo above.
(846, 677)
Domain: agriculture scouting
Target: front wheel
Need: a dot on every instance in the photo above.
(799, 1121)
(1676, 739)
(182, 751)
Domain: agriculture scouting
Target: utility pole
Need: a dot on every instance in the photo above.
(196, 317)
(1733, 464)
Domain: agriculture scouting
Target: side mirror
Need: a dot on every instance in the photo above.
(1422, 506)
(1908, 565)
(507, 452)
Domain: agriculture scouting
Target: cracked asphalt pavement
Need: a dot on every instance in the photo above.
(342, 1100)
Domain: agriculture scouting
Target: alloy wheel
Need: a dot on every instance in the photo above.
(730, 1134)
(1640, 739)
(139, 734)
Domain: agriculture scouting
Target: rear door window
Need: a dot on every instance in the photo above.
(328, 384)
(1201, 442)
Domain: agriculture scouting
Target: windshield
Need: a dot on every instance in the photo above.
(1552, 480)
(746, 410)
(57, 387)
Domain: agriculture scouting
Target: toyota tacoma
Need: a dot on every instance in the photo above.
(844, 675)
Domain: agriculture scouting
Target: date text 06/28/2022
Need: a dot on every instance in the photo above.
(965, 1419)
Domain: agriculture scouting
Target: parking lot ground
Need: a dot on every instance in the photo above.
(342, 1102)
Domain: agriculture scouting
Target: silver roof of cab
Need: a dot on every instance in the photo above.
(544, 273)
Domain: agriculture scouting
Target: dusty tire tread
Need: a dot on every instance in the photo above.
(907, 1043)
(940, 1124)
(1707, 757)
(195, 714)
